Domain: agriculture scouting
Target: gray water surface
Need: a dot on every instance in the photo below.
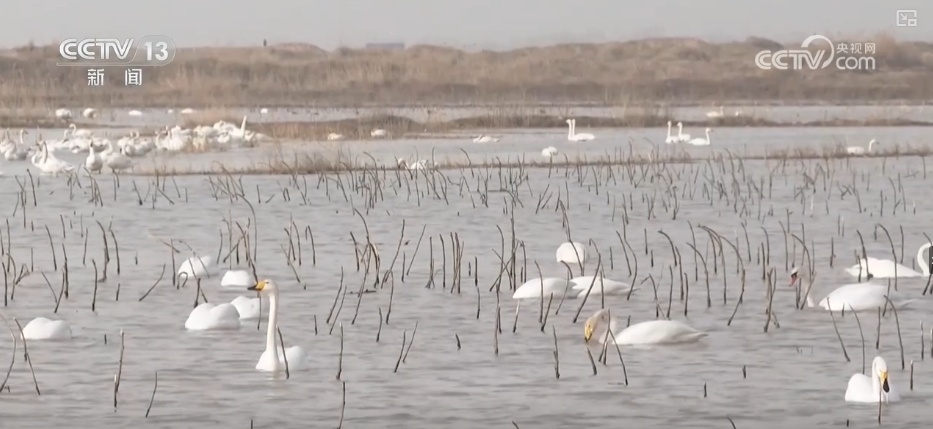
(796, 373)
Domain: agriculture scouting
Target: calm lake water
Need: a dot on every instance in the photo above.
(795, 374)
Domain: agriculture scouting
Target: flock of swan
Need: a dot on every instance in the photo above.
(116, 156)
(685, 138)
(856, 297)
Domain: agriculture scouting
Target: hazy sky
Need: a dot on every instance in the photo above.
(496, 24)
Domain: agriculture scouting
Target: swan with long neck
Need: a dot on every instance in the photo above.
(572, 132)
(670, 139)
(274, 358)
(853, 297)
(699, 141)
(681, 137)
(874, 388)
(887, 269)
(602, 326)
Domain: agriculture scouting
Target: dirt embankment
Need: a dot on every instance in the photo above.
(652, 71)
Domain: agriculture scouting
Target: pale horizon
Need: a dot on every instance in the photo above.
(468, 25)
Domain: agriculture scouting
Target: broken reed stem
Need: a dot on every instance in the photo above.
(152, 398)
(116, 378)
(26, 356)
(402, 350)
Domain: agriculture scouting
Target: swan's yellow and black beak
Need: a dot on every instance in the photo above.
(587, 331)
(258, 287)
(884, 382)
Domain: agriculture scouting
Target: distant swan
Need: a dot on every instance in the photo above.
(874, 388)
(854, 297)
(378, 132)
(884, 269)
(715, 114)
(484, 139)
(549, 152)
(650, 332)
(196, 267)
(334, 136)
(573, 136)
(699, 141)
(208, 317)
(670, 139)
(273, 358)
(41, 328)
(601, 286)
(571, 253)
(681, 137)
(858, 150)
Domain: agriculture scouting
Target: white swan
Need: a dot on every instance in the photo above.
(536, 287)
(872, 389)
(670, 139)
(209, 317)
(48, 163)
(14, 152)
(63, 114)
(549, 152)
(700, 141)
(89, 113)
(334, 136)
(273, 358)
(681, 137)
(196, 267)
(237, 278)
(715, 114)
(41, 328)
(117, 161)
(484, 139)
(858, 150)
(249, 308)
(650, 332)
(378, 132)
(93, 163)
(186, 111)
(601, 286)
(571, 253)
(572, 132)
(134, 113)
(885, 269)
(854, 297)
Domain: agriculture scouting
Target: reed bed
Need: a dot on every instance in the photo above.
(681, 71)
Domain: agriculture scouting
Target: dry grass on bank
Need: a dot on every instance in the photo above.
(662, 70)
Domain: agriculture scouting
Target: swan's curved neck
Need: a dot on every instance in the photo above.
(924, 264)
(680, 128)
(570, 129)
(707, 136)
(272, 326)
(22, 138)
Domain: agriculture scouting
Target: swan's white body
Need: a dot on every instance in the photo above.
(89, 113)
(601, 286)
(872, 389)
(237, 279)
(715, 114)
(484, 139)
(93, 163)
(549, 152)
(858, 150)
(48, 163)
(699, 141)
(670, 138)
(273, 359)
(378, 132)
(249, 308)
(885, 269)
(41, 328)
(12, 152)
(681, 137)
(196, 267)
(334, 136)
(134, 113)
(209, 317)
(571, 253)
(536, 287)
(572, 132)
(186, 111)
(63, 114)
(856, 297)
(644, 333)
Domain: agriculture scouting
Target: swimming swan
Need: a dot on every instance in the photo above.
(572, 133)
(700, 141)
(681, 137)
(601, 286)
(874, 388)
(549, 152)
(858, 150)
(885, 269)
(209, 317)
(854, 297)
(196, 267)
(273, 358)
(670, 139)
(41, 328)
(572, 253)
(650, 332)
(538, 287)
